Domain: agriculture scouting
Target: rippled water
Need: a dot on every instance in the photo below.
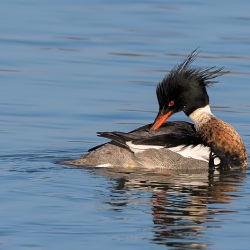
(71, 68)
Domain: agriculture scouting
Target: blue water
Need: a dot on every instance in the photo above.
(71, 68)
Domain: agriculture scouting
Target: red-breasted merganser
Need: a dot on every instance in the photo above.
(208, 143)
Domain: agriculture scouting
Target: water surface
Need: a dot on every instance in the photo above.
(71, 68)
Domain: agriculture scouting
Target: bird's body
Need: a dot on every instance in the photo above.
(175, 145)
(162, 148)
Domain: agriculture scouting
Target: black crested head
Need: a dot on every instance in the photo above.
(184, 88)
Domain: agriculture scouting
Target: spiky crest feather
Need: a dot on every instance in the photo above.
(185, 72)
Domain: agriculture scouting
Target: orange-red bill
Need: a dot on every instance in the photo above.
(160, 120)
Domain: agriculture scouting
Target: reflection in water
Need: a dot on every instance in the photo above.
(183, 206)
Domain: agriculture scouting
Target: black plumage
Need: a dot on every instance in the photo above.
(170, 134)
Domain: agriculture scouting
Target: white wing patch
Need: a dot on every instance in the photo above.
(199, 152)
(105, 165)
(140, 148)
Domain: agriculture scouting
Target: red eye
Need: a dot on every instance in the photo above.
(171, 103)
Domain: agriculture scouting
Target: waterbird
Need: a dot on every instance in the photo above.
(207, 143)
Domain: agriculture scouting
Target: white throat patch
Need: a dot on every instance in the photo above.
(201, 116)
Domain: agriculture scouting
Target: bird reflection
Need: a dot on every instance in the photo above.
(183, 206)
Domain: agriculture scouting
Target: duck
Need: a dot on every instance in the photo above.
(206, 143)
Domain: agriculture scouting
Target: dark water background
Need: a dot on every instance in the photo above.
(71, 68)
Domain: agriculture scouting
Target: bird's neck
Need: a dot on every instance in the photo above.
(201, 116)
